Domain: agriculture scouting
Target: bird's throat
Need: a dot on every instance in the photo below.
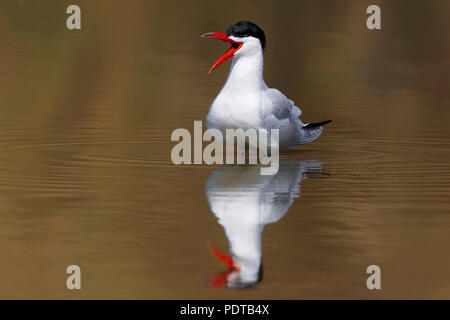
(246, 73)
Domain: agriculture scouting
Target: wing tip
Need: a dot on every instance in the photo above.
(316, 124)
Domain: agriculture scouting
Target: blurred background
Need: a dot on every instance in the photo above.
(86, 176)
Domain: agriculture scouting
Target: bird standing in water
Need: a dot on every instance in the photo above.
(245, 101)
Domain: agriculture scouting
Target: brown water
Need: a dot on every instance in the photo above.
(86, 176)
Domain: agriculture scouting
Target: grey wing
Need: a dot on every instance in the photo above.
(275, 104)
(279, 112)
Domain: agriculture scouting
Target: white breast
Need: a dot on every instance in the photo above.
(238, 104)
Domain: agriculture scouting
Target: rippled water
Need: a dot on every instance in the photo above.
(86, 176)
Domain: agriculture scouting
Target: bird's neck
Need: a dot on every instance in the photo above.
(246, 73)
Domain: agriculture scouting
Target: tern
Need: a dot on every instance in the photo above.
(245, 101)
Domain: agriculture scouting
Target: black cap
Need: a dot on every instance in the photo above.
(247, 29)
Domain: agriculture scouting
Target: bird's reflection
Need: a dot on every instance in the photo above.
(244, 201)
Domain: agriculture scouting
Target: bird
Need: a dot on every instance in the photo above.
(245, 101)
(243, 201)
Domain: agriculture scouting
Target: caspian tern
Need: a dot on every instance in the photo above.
(245, 101)
(243, 202)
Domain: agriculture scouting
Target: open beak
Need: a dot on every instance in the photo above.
(235, 46)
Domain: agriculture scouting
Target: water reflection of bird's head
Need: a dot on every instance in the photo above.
(244, 201)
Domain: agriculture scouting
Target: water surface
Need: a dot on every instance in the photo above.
(85, 170)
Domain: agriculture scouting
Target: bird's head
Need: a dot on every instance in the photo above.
(244, 37)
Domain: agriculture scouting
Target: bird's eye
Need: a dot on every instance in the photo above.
(235, 45)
